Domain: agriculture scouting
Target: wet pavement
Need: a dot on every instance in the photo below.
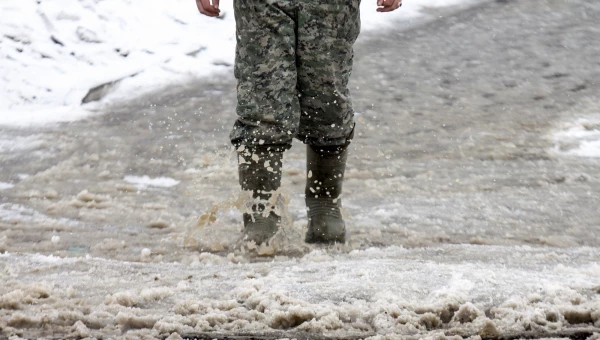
(455, 144)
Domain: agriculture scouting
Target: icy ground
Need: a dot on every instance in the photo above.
(471, 198)
(54, 52)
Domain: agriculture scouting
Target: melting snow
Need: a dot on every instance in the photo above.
(4, 185)
(145, 181)
(580, 138)
(15, 213)
(453, 289)
(19, 143)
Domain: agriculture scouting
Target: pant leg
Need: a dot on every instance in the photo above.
(326, 34)
(265, 68)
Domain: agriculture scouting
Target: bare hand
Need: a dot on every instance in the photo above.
(205, 7)
(388, 5)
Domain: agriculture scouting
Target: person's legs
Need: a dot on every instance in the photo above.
(293, 61)
(326, 34)
(268, 108)
(265, 68)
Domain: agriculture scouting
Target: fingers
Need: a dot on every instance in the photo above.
(216, 4)
(206, 8)
(388, 5)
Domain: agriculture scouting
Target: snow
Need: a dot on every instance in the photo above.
(451, 289)
(146, 254)
(579, 138)
(21, 143)
(589, 149)
(15, 213)
(99, 42)
(143, 182)
(4, 185)
(53, 52)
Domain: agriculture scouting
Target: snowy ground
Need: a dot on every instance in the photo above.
(472, 199)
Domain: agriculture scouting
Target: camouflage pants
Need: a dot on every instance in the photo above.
(293, 61)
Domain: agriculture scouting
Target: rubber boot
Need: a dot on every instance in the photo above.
(260, 172)
(325, 171)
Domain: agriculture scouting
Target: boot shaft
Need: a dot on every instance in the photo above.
(325, 175)
(260, 170)
(325, 167)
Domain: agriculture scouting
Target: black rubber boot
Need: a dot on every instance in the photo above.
(325, 171)
(260, 172)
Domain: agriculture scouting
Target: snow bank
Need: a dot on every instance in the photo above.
(437, 292)
(579, 138)
(54, 52)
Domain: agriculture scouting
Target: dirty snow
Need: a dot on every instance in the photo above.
(448, 290)
(21, 143)
(53, 52)
(10, 212)
(15, 213)
(579, 138)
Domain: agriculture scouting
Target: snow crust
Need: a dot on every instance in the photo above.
(54, 52)
(438, 292)
(579, 138)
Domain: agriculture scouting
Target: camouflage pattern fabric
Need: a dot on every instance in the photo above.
(293, 62)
